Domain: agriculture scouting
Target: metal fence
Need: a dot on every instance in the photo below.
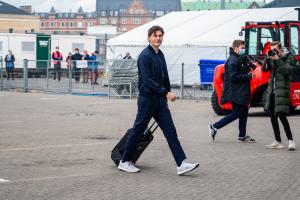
(113, 78)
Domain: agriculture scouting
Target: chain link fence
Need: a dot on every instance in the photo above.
(113, 78)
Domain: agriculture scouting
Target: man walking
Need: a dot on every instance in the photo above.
(236, 89)
(57, 57)
(154, 90)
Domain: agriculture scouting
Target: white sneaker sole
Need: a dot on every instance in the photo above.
(280, 147)
(187, 170)
(125, 170)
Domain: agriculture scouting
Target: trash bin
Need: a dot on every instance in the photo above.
(207, 69)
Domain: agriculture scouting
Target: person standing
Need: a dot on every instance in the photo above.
(154, 91)
(278, 92)
(10, 64)
(93, 68)
(75, 57)
(127, 56)
(57, 57)
(85, 75)
(69, 65)
(236, 90)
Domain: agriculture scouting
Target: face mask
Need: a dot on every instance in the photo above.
(242, 52)
(57, 49)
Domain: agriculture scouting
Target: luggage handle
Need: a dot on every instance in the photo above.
(153, 125)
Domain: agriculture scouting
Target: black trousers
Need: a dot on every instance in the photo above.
(57, 70)
(10, 73)
(239, 112)
(275, 124)
(158, 109)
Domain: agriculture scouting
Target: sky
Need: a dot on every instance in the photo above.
(59, 5)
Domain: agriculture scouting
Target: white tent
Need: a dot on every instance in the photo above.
(194, 35)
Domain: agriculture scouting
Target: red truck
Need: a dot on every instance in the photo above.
(258, 36)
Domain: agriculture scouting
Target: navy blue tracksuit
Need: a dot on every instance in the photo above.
(153, 86)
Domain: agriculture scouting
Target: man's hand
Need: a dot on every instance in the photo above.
(171, 96)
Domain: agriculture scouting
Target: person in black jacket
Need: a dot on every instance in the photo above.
(10, 64)
(154, 90)
(236, 89)
(76, 56)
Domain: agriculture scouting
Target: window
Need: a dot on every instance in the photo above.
(72, 15)
(113, 21)
(136, 20)
(116, 13)
(80, 46)
(71, 24)
(75, 24)
(103, 13)
(80, 25)
(258, 39)
(52, 24)
(124, 20)
(103, 21)
(252, 41)
(62, 24)
(295, 39)
(27, 46)
(42, 24)
(159, 13)
(111, 13)
(124, 29)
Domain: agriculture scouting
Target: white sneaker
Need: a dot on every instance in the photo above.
(292, 145)
(275, 145)
(186, 167)
(128, 167)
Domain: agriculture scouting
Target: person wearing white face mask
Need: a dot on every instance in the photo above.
(236, 90)
(9, 64)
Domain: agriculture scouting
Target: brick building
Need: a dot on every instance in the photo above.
(66, 22)
(129, 14)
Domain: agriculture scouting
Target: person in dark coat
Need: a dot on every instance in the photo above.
(154, 91)
(127, 56)
(76, 56)
(10, 65)
(236, 90)
(278, 92)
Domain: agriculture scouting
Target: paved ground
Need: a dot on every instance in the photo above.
(58, 147)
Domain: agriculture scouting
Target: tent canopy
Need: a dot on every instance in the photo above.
(205, 28)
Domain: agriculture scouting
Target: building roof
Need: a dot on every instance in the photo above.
(216, 5)
(66, 15)
(6, 8)
(283, 3)
(161, 5)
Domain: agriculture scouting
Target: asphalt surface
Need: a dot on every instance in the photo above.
(58, 147)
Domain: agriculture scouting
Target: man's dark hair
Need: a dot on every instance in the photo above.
(237, 43)
(154, 29)
(275, 43)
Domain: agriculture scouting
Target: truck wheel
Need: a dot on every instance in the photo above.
(215, 105)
